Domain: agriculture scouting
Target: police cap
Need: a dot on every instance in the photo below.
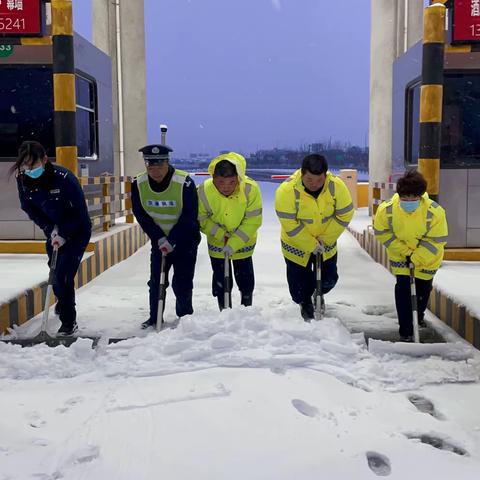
(155, 154)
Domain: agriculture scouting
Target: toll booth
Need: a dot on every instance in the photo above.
(460, 149)
(26, 113)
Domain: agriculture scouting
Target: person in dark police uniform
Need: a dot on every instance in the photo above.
(52, 197)
(165, 204)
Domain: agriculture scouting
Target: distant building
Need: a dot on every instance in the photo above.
(338, 157)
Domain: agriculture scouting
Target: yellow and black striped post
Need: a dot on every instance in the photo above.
(64, 102)
(431, 96)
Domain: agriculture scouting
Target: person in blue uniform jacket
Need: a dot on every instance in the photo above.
(52, 197)
(165, 204)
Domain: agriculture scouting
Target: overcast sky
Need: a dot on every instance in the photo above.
(248, 74)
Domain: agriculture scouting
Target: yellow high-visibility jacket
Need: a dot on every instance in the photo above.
(421, 235)
(304, 219)
(239, 215)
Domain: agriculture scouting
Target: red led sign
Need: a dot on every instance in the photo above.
(20, 17)
(466, 21)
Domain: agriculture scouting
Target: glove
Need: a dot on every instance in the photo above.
(320, 248)
(57, 240)
(226, 237)
(227, 250)
(54, 232)
(165, 246)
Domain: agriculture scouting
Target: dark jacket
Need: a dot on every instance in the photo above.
(186, 232)
(55, 198)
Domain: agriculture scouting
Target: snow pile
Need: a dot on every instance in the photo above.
(239, 338)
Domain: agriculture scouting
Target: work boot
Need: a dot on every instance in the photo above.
(307, 310)
(184, 308)
(67, 329)
(149, 323)
(422, 323)
(247, 300)
(406, 338)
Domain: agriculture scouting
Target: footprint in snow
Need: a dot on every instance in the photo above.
(344, 303)
(84, 455)
(437, 442)
(379, 464)
(304, 408)
(40, 442)
(46, 476)
(424, 405)
(378, 309)
(71, 402)
(35, 420)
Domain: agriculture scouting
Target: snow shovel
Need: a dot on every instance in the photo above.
(161, 294)
(44, 336)
(451, 351)
(227, 297)
(318, 313)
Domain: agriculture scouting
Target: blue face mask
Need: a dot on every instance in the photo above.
(36, 172)
(410, 205)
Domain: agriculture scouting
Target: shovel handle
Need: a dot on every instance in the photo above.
(413, 295)
(48, 293)
(318, 286)
(226, 283)
(161, 294)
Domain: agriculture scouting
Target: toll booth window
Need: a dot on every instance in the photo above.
(461, 121)
(460, 125)
(26, 108)
(412, 119)
(87, 128)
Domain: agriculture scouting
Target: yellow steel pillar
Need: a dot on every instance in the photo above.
(64, 101)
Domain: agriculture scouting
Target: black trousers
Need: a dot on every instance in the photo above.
(242, 271)
(183, 262)
(301, 280)
(403, 302)
(68, 260)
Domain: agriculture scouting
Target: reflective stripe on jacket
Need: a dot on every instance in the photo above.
(422, 235)
(164, 207)
(238, 216)
(304, 218)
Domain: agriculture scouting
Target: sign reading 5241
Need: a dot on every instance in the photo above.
(20, 17)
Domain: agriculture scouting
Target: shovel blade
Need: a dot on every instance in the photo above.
(451, 351)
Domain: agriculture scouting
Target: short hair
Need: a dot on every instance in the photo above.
(224, 168)
(411, 183)
(315, 164)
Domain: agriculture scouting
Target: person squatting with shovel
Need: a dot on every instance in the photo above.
(314, 208)
(53, 199)
(165, 204)
(414, 230)
(230, 214)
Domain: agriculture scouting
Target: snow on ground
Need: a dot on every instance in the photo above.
(361, 220)
(249, 393)
(459, 281)
(17, 277)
